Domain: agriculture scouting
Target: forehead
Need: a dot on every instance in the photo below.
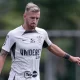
(29, 13)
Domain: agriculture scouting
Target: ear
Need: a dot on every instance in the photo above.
(24, 15)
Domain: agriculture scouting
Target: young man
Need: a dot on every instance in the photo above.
(25, 45)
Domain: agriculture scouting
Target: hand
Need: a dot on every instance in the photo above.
(75, 59)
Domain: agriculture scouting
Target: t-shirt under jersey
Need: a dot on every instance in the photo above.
(25, 48)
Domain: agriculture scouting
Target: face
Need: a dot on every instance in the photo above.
(31, 19)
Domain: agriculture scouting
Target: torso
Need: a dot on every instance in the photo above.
(26, 49)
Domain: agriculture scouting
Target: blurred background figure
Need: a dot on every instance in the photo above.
(61, 18)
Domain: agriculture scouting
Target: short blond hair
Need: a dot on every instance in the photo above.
(32, 7)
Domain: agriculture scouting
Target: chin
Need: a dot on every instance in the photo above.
(33, 27)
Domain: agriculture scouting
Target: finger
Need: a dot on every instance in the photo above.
(78, 58)
(79, 64)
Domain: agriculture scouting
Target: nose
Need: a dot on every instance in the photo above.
(34, 21)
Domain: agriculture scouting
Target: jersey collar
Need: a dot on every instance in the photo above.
(34, 31)
(28, 31)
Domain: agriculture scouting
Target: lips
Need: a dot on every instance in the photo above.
(33, 23)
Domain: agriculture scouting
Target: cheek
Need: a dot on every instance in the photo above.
(25, 19)
(28, 21)
(37, 21)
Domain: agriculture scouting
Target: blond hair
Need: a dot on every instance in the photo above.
(32, 7)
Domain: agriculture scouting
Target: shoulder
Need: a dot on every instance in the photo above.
(14, 31)
(41, 30)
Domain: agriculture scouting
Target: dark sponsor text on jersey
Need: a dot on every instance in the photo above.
(30, 52)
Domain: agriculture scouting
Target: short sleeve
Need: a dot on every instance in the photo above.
(9, 41)
(47, 41)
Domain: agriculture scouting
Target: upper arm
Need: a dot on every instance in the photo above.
(56, 50)
(47, 41)
(3, 53)
(50, 48)
(9, 41)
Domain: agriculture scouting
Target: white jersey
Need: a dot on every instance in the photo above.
(25, 48)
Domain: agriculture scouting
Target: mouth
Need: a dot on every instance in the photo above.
(33, 23)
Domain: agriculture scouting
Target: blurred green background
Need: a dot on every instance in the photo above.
(55, 15)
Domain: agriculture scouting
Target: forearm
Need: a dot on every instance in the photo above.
(1, 63)
(58, 51)
(3, 55)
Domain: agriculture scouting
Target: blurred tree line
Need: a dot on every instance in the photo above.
(55, 15)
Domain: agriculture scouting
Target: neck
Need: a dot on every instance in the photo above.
(26, 27)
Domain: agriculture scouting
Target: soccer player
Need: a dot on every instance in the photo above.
(25, 44)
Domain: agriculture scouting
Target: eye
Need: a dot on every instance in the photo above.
(37, 18)
(32, 17)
